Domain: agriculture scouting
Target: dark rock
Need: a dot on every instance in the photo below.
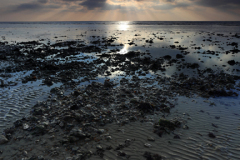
(211, 135)
(77, 133)
(179, 56)
(3, 139)
(151, 156)
(146, 107)
(18, 123)
(214, 125)
(176, 137)
(39, 130)
(75, 107)
(231, 62)
(121, 153)
(169, 124)
(107, 83)
(168, 57)
(37, 111)
(77, 93)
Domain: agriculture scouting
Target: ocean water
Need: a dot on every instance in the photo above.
(198, 37)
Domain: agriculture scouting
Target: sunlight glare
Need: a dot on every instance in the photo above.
(123, 26)
(124, 50)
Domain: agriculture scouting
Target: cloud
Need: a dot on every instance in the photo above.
(227, 6)
(27, 6)
(42, 1)
(98, 4)
(171, 4)
(92, 4)
(217, 3)
(34, 6)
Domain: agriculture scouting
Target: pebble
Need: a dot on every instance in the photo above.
(151, 139)
(99, 147)
(108, 138)
(147, 145)
(25, 126)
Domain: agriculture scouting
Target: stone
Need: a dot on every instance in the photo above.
(147, 145)
(169, 124)
(98, 147)
(25, 126)
(151, 139)
(77, 133)
(3, 139)
(211, 135)
(231, 62)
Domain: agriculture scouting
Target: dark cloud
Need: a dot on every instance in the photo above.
(42, 1)
(40, 5)
(98, 4)
(28, 6)
(169, 0)
(92, 4)
(227, 6)
(169, 6)
(71, 0)
(217, 3)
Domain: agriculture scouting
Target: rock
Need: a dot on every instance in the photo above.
(100, 131)
(108, 138)
(151, 156)
(25, 153)
(179, 56)
(214, 125)
(107, 83)
(217, 117)
(231, 62)
(211, 135)
(74, 149)
(2, 83)
(146, 107)
(185, 127)
(147, 145)
(75, 107)
(48, 82)
(77, 133)
(176, 137)
(3, 139)
(151, 139)
(99, 147)
(168, 124)
(25, 126)
(121, 153)
(37, 111)
(40, 157)
(39, 130)
(109, 147)
(168, 57)
(77, 93)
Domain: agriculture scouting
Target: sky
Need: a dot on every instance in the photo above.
(120, 10)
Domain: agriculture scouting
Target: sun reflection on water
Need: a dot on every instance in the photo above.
(123, 26)
(124, 50)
